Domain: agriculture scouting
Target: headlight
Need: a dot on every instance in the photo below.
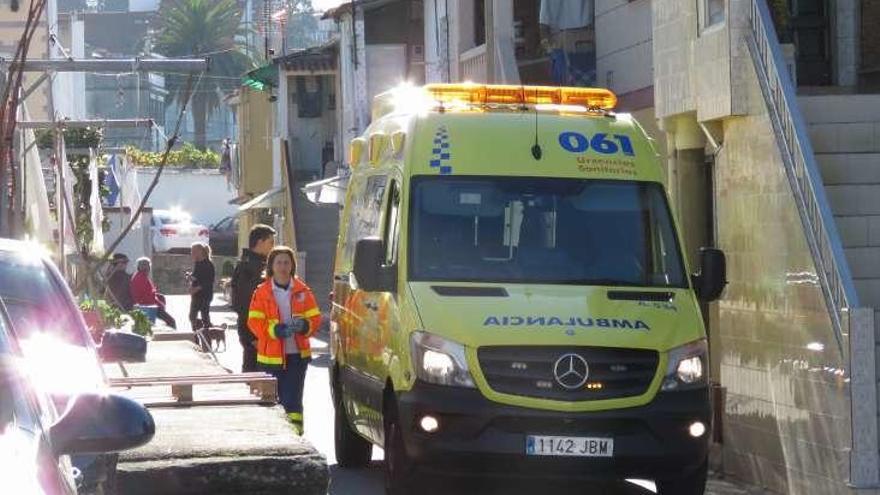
(440, 361)
(686, 368)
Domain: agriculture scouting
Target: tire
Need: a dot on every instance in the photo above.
(694, 483)
(352, 450)
(399, 468)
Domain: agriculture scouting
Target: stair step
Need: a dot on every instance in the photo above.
(868, 291)
(864, 262)
(861, 231)
(848, 137)
(849, 168)
(854, 199)
(840, 108)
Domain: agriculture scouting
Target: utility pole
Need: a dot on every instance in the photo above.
(61, 199)
(490, 40)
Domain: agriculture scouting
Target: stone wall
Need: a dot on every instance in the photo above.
(169, 269)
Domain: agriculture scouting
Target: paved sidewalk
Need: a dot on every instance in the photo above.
(213, 449)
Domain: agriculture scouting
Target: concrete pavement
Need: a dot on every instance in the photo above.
(319, 432)
(213, 449)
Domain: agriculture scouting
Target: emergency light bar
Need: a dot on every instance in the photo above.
(485, 94)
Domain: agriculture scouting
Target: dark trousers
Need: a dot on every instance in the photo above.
(168, 319)
(248, 345)
(249, 358)
(291, 382)
(200, 309)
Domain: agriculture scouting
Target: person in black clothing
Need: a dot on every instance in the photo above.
(118, 291)
(247, 276)
(202, 288)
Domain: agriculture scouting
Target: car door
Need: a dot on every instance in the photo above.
(27, 464)
(359, 315)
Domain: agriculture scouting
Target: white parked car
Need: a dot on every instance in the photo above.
(174, 230)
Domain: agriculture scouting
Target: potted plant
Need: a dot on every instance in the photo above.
(92, 317)
(99, 316)
(142, 325)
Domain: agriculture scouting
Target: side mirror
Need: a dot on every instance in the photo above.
(369, 266)
(123, 347)
(709, 283)
(101, 423)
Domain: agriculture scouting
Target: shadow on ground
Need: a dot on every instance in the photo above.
(369, 480)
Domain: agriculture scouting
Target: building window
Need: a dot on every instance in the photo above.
(714, 12)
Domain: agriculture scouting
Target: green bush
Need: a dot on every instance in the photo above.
(186, 156)
(142, 325)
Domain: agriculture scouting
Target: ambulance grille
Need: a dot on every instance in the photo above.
(529, 371)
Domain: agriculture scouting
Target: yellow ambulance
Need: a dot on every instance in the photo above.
(510, 295)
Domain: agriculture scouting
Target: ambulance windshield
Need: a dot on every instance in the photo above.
(543, 230)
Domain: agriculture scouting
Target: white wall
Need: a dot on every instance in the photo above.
(624, 59)
(203, 193)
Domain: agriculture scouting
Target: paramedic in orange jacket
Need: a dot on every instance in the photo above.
(283, 315)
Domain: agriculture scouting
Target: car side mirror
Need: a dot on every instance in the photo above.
(101, 423)
(122, 347)
(709, 283)
(369, 267)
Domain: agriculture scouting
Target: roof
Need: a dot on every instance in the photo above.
(316, 59)
(345, 8)
(268, 199)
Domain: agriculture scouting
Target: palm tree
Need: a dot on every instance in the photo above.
(195, 28)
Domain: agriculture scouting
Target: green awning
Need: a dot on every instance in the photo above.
(262, 78)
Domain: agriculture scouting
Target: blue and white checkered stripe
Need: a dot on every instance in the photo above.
(441, 153)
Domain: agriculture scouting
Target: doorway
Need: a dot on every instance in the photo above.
(806, 24)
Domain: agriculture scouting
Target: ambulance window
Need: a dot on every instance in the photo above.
(392, 224)
(543, 230)
(366, 209)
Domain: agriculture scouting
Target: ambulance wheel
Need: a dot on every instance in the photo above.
(693, 483)
(352, 450)
(399, 468)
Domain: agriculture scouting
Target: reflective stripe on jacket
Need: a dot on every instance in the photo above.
(264, 315)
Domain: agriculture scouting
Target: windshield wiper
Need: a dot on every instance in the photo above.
(640, 295)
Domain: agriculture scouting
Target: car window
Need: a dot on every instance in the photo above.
(171, 218)
(37, 301)
(16, 407)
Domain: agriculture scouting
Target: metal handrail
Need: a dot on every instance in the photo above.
(800, 167)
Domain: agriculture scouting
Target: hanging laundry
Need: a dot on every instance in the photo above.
(38, 213)
(560, 15)
(97, 209)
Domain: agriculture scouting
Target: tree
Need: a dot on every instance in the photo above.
(199, 28)
(302, 24)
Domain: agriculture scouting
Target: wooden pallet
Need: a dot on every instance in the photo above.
(262, 386)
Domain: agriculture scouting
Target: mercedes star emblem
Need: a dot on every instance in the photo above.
(571, 371)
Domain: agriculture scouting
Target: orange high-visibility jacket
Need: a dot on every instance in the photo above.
(264, 316)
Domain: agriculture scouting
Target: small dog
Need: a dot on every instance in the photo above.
(210, 338)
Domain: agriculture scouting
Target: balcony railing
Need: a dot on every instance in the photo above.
(473, 64)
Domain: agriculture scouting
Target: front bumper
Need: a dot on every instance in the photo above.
(478, 436)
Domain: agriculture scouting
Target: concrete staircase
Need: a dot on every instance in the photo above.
(317, 228)
(845, 134)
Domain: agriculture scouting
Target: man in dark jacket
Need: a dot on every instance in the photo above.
(118, 290)
(247, 276)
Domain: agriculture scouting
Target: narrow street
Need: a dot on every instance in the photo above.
(319, 431)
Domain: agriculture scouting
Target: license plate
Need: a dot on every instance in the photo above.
(569, 446)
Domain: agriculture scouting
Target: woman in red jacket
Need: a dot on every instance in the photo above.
(283, 316)
(143, 292)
